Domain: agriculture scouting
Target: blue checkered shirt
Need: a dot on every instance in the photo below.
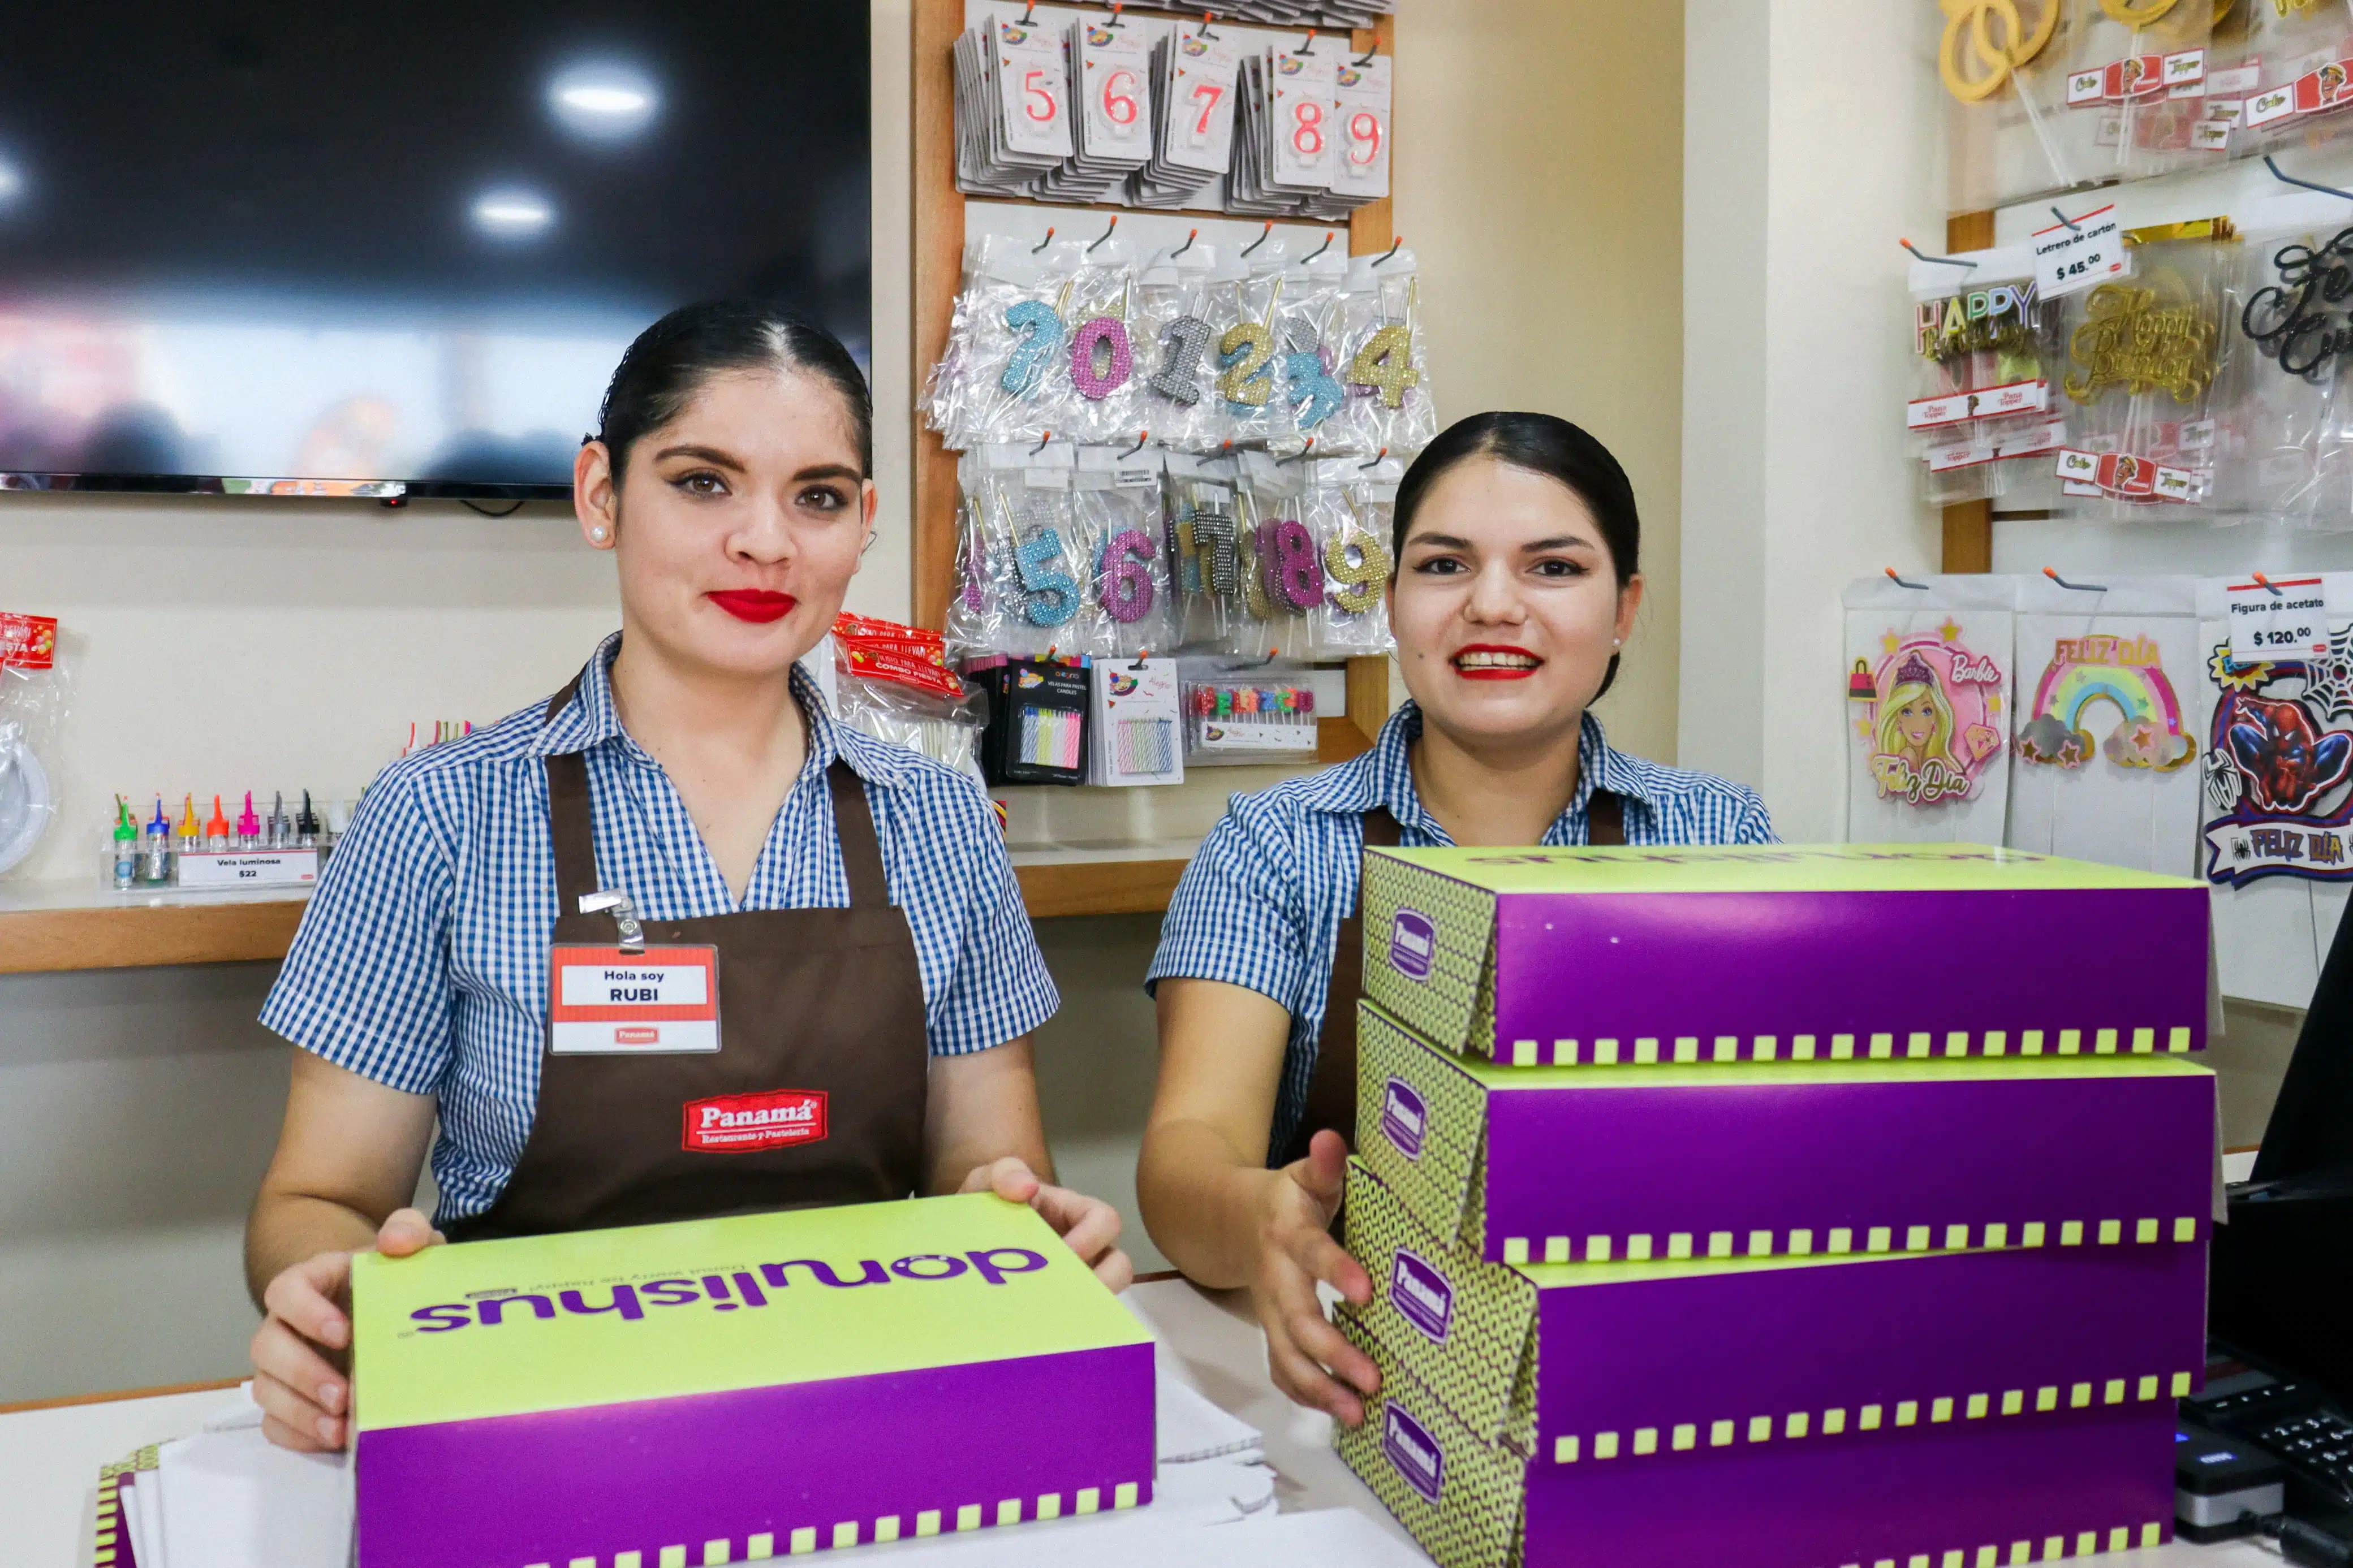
(1262, 903)
(422, 961)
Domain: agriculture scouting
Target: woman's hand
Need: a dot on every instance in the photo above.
(303, 1345)
(1089, 1225)
(1295, 1250)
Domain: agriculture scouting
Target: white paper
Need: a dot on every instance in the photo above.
(2068, 260)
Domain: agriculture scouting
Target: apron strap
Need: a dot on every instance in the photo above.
(570, 823)
(1605, 818)
(862, 851)
(1381, 832)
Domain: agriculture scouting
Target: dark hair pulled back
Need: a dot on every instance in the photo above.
(670, 360)
(1542, 444)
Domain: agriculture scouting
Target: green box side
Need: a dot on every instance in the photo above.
(407, 1376)
(1445, 1187)
(1477, 1522)
(1770, 868)
(1486, 1371)
(1454, 1006)
(1498, 1078)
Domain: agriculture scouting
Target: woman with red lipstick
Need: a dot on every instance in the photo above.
(1517, 582)
(671, 943)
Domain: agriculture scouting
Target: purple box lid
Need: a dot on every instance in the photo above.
(1747, 952)
(1575, 1164)
(1661, 1367)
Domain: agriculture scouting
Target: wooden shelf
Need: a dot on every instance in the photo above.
(50, 928)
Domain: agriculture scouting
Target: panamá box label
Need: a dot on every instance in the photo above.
(1559, 1164)
(825, 1377)
(1587, 956)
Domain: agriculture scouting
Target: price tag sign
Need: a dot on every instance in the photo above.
(2068, 260)
(2286, 618)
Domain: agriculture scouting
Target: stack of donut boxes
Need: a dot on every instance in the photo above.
(1798, 1207)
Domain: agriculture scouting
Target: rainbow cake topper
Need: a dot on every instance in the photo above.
(2126, 672)
(1933, 718)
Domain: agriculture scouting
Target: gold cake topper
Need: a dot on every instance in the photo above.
(2128, 339)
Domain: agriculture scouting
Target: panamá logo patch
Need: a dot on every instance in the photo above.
(1413, 940)
(1422, 1294)
(2279, 766)
(744, 1123)
(1404, 1116)
(1407, 1446)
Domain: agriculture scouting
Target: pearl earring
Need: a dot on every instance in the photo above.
(1614, 642)
(597, 534)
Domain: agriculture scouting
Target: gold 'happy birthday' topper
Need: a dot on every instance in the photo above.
(2129, 340)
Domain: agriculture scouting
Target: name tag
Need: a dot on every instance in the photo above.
(604, 1002)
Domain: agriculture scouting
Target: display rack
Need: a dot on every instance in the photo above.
(939, 237)
(1968, 524)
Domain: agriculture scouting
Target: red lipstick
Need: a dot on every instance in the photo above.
(759, 606)
(1494, 661)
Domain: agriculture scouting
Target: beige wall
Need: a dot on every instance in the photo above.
(1539, 178)
(293, 642)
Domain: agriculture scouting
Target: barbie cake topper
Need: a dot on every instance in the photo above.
(1931, 715)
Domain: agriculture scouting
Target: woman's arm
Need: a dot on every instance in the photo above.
(982, 1132)
(1225, 1219)
(346, 1167)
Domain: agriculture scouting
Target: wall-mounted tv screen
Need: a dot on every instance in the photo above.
(369, 249)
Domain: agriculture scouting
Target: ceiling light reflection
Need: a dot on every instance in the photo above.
(513, 213)
(605, 101)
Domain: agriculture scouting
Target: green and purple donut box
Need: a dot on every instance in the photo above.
(735, 1389)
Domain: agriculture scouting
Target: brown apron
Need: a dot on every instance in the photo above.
(1331, 1083)
(818, 1001)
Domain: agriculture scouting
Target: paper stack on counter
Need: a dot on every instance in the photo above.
(1778, 1205)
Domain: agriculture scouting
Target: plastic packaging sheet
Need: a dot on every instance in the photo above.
(1348, 508)
(1008, 359)
(1025, 562)
(1116, 499)
(1308, 334)
(1176, 350)
(2152, 374)
(36, 695)
(1390, 403)
(1204, 547)
(1245, 293)
(2292, 324)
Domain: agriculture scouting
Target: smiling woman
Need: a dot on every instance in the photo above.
(671, 944)
(1517, 580)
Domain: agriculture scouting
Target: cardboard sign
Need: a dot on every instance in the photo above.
(605, 1002)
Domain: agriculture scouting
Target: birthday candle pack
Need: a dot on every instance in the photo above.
(1844, 952)
(741, 1388)
(1134, 721)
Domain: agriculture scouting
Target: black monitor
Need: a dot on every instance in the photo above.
(2282, 1268)
(352, 247)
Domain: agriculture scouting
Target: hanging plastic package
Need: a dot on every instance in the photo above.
(893, 682)
(1309, 330)
(1009, 352)
(1387, 377)
(2103, 763)
(1348, 509)
(1981, 400)
(2003, 66)
(1281, 577)
(1928, 709)
(1024, 565)
(1100, 398)
(2295, 323)
(1244, 295)
(1203, 545)
(2154, 427)
(2136, 87)
(1176, 349)
(35, 691)
(2302, 86)
(1116, 499)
